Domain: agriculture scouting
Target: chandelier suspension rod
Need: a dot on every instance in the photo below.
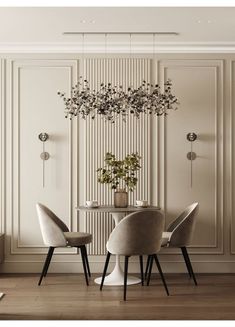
(120, 33)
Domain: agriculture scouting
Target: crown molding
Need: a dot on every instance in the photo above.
(124, 48)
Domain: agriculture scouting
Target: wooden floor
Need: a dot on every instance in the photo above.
(67, 297)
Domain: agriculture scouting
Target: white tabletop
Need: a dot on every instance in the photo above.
(103, 208)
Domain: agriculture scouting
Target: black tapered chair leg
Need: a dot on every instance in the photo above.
(49, 261)
(87, 262)
(125, 276)
(190, 265)
(83, 255)
(105, 269)
(161, 273)
(150, 269)
(186, 261)
(147, 267)
(141, 270)
(45, 264)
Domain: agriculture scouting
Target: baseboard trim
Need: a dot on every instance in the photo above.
(97, 267)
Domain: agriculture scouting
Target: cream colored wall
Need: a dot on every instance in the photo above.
(29, 105)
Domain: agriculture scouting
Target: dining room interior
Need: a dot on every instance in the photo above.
(117, 163)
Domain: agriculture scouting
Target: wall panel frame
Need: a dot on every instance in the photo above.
(2, 144)
(17, 68)
(215, 67)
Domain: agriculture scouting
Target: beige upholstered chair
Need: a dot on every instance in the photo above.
(56, 234)
(139, 234)
(179, 235)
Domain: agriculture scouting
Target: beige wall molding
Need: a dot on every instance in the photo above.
(232, 154)
(145, 48)
(75, 266)
(2, 146)
(205, 78)
(26, 86)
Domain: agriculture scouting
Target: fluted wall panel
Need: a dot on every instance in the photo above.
(119, 138)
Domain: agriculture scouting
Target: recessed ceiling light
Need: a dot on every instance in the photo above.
(199, 21)
(209, 21)
(83, 21)
(92, 21)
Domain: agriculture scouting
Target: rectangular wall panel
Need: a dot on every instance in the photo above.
(119, 138)
(232, 149)
(36, 108)
(198, 84)
(2, 145)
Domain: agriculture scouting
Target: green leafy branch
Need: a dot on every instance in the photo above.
(116, 172)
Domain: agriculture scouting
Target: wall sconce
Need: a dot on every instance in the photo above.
(191, 137)
(43, 137)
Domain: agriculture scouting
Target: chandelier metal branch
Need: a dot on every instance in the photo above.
(112, 101)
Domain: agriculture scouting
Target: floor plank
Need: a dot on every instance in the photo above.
(65, 296)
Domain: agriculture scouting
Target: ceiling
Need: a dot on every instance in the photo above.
(44, 27)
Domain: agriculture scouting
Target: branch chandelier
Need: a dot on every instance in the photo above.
(111, 101)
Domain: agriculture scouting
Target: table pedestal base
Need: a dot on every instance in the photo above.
(117, 276)
(110, 280)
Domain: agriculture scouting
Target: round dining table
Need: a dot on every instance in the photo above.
(116, 277)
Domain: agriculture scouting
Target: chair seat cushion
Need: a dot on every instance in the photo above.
(77, 238)
(165, 238)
